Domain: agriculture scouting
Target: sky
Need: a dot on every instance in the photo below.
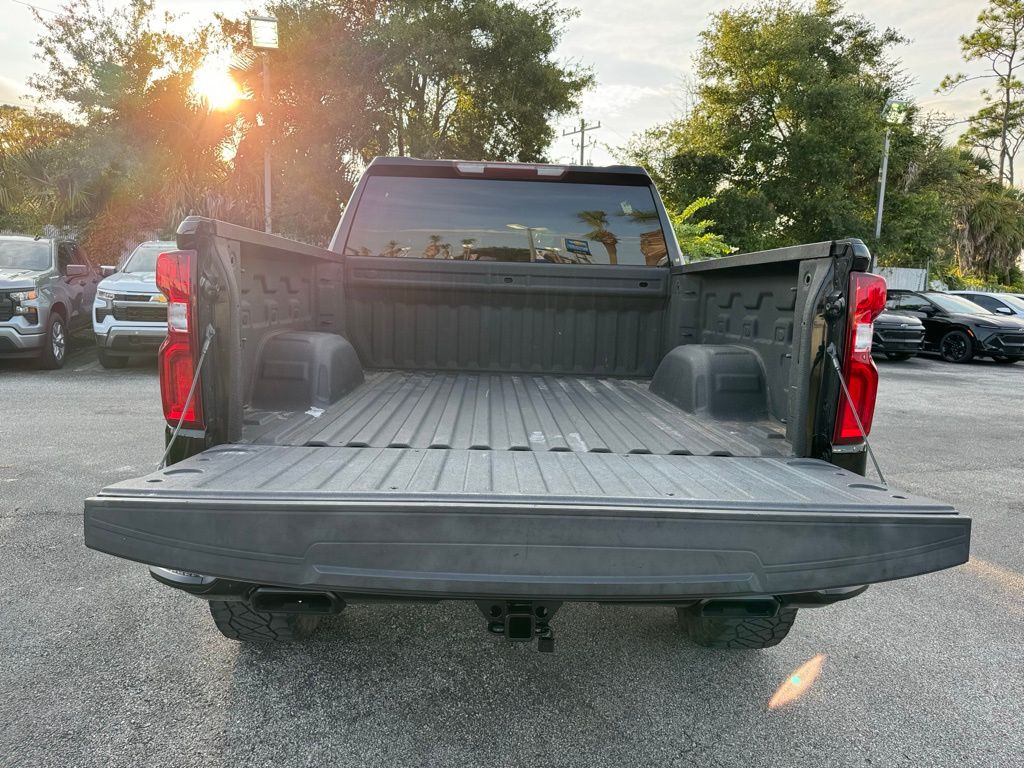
(641, 51)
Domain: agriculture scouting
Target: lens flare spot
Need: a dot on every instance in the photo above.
(213, 83)
(798, 683)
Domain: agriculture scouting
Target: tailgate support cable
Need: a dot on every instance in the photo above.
(210, 333)
(853, 409)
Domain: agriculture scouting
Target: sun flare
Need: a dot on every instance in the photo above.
(213, 83)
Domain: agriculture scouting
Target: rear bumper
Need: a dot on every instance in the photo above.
(449, 546)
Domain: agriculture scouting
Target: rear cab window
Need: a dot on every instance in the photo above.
(508, 220)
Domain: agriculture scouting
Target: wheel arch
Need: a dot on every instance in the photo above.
(60, 308)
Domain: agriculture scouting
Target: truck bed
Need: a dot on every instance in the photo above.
(506, 412)
(436, 484)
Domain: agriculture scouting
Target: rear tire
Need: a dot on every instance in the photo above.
(237, 621)
(956, 347)
(899, 355)
(55, 346)
(719, 632)
(108, 360)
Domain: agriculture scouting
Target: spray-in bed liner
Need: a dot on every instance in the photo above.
(513, 412)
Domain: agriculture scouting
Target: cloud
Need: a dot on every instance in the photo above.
(12, 92)
(614, 100)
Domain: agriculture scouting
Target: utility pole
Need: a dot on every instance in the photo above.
(582, 131)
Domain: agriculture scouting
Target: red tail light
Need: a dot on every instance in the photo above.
(867, 300)
(179, 350)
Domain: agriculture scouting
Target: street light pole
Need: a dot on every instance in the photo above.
(267, 194)
(263, 33)
(881, 186)
(893, 113)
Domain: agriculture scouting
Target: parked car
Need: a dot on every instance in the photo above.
(46, 289)
(130, 312)
(959, 330)
(897, 336)
(1001, 303)
(358, 424)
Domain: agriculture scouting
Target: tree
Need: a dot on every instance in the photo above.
(318, 115)
(598, 222)
(997, 129)
(38, 180)
(696, 240)
(99, 61)
(427, 78)
(144, 151)
(785, 132)
(472, 78)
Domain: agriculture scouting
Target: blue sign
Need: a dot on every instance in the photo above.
(577, 246)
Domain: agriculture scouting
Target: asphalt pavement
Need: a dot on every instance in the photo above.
(101, 666)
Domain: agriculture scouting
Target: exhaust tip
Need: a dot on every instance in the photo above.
(741, 608)
(268, 600)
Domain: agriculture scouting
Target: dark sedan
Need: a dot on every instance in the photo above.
(897, 336)
(959, 330)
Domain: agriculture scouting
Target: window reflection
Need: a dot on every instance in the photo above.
(504, 220)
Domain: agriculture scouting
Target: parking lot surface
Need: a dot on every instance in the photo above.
(101, 666)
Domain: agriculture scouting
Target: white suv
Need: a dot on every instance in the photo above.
(130, 315)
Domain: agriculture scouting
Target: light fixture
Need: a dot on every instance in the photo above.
(895, 112)
(263, 32)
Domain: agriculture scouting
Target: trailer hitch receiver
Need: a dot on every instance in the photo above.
(521, 621)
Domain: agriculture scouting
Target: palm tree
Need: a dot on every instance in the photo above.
(598, 221)
(392, 248)
(434, 248)
(467, 248)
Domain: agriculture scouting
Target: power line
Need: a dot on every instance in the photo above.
(582, 131)
(34, 7)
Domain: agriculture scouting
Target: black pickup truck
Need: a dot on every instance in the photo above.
(504, 384)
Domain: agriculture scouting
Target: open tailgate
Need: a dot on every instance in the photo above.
(558, 525)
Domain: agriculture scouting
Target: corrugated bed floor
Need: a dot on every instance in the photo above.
(512, 412)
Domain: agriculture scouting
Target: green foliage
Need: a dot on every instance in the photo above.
(353, 79)
(696, 241)
(461, 78)
(997, 128)
(786, 135)
(140, 152)
(475, 78)
(786, 130)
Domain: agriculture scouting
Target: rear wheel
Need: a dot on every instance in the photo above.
(956, 347)
(55, 346)
(108, 360)
(899, 355)
(237, 621)
(722, 632)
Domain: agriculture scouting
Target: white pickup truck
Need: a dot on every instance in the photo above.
(129, 315)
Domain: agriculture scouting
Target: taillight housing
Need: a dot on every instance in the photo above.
(175, 273)
(867, 300)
